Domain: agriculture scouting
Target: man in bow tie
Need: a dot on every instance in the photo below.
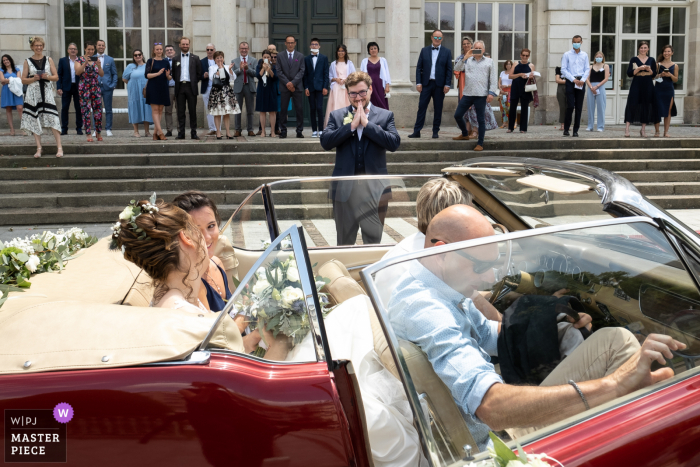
(187, 71)
(360, 134)
(433, 81)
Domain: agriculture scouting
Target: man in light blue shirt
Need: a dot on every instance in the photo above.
(430, 306)
(575, 69)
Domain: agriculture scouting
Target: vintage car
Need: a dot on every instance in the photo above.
(151, 386)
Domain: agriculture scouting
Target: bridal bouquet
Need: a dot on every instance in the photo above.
(274, 299)
(502, 456)
(20, 258)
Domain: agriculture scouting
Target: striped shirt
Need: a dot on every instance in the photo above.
(480, 76)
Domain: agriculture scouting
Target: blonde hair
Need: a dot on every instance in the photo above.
(436, 195)
(356, 78)
(36, 40)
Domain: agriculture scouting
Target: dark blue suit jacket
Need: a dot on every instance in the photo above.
(317, 79)
(205, 69)
(64, 80)
(443, 66)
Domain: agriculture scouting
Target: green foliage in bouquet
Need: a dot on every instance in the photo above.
(20, 258)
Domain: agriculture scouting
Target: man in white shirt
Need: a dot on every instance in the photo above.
(575, 69)
(187, 71)
(68, 88)
(168, 110)
(206, 87)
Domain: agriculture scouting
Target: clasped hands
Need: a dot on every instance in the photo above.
(360, 118)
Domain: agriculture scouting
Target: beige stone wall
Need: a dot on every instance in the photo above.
(21, 19)
(691, 104)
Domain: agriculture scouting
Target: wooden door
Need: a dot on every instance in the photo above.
(306, 19)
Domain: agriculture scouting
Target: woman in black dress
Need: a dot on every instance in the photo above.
(641, 104)
(266, 101)
(157, 89)
(561, 96)
(664, 90)
(520, 74)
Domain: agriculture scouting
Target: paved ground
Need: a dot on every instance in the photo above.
(535, 132)
(255, 230)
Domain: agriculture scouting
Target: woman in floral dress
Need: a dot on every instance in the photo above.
(39, 105)
(89, 90)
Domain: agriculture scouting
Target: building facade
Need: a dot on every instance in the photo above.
(400, 27)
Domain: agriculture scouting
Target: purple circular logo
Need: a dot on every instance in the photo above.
(63, 412)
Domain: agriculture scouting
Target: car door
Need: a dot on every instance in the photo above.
(626, 274)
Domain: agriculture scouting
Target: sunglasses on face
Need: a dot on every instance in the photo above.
(210, 50)
(480, 266)
(137, 55)
(524, 56)
(157, 43)
(355, 94)
(437, 38)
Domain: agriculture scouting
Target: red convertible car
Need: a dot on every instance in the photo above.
(149, 386)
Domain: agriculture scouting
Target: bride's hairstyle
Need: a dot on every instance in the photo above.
(150, 239)
(192, 200)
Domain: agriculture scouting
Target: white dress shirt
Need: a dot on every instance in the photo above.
(102, 59)
(290, 55)
(575, 64)
(314, 59)
(72, 69)
(172, 81)
(211, 78)
(435, 53)
(360, 128)
(184, 67)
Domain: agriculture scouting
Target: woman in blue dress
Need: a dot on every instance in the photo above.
(135, 78)
(664, 89)
(157, 89)
(266, 100)
(8, 100)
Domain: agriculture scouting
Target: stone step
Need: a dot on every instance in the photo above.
(661, 176)
(221, 158)
(200, 171)
(639, 165)
(676, 202)
(313, 145)
(668, 188)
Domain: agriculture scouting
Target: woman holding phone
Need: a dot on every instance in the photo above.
(89, 68)
(222, 99)
(39, 105)
(268, 85)
(520, 74)
(641, 105)
(664, 90)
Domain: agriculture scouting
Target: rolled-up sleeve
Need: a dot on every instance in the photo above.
(446, 338)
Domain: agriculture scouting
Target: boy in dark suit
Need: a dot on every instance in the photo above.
(317, 84)
(433, 80)
(360, 134)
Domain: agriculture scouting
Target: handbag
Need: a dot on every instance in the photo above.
(216, 82)
(531, 85)
(145, 95)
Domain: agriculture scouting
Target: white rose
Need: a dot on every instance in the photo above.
(32, 263)
(292, 262)
(535, 462)
(516, 463)
(293, 274)
(291, 295)
(260, 286)
(276, 274)
(261, 273)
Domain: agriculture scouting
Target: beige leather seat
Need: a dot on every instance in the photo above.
(448, 424)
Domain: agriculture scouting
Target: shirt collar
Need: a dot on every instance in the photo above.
(430, 280)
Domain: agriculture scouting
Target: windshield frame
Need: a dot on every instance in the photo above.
(428, 444)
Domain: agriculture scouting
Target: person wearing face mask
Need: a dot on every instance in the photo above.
(360, 133)
(317, 83)
(575, 69)
(595, 88)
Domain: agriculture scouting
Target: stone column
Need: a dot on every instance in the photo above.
(398, 44)
(691, 103)
(224, 27)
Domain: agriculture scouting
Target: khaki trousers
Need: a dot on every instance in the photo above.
(599, 355)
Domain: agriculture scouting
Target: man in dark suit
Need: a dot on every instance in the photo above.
(360, 134)
(316, 84)
(433, 80)
(68, 88)
(187, 71)
(290, 72)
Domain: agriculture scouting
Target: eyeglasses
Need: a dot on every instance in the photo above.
(437, 38)
(525, 56)
(355, 94)
(137, 55)
(210, 50)
(480, 265)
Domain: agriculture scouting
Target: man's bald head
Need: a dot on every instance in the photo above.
(456, 224)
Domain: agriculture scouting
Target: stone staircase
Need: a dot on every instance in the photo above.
(92, 183)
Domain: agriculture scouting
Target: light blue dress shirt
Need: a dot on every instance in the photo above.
(455, 336)
(575, 64)
(434, 56)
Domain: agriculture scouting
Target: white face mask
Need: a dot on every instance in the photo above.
(315, 51)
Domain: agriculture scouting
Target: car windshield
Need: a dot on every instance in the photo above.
(358, 211)
(503, 312)
(540, 207)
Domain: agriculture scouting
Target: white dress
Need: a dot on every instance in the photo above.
(182, 304)
(39, 105)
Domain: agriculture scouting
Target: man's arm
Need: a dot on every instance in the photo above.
(389, 139)
(236, 67)
(493, 79)
(565, 72)
(198, 69)
(448, 71)
(459, 64)
(296, 81)
(60, 73)
(419, 68)
(306, 76)
(113, 70)
(326, 79)
(586, 69)
(333, 136)
(279, 73)
(252, 64)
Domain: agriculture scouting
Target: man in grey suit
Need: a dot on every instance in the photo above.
(360, 134)
(290, 72)
(244, 87)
